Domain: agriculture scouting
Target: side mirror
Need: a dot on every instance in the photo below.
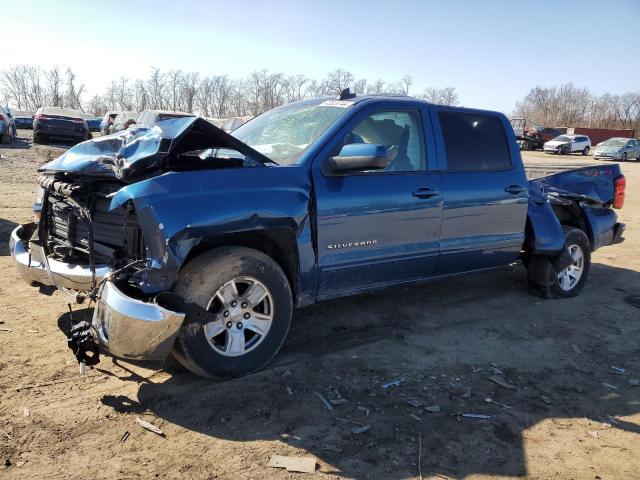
(359, 157)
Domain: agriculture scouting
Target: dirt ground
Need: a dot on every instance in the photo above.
(569, 414)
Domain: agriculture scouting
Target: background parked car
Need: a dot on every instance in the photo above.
(93, 122)
(618, 148)
(150, 117)
(7, 126)
(107, 121)
(61, 123)
(544, 134)
(123, 120)
(234, 122)
(23, 120)
(566, 144)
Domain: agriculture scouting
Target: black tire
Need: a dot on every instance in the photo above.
(623, 157)
(5, 138)
(544, 280)
(585, 151)
(37, 138)
(199, 281)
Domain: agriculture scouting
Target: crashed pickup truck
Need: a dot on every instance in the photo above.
(198, 243)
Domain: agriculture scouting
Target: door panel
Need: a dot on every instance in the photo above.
(373, 231)
(482, 224)
(380, 227)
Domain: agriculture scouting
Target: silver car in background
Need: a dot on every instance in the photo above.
(618, 148)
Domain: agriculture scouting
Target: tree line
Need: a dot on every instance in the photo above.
(570, 106)
(28, 87)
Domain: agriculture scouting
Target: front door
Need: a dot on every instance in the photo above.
(379, 227)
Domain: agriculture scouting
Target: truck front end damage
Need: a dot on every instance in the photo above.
(93, 254)
(89, 242)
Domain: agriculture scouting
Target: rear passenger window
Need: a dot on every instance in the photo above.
(474, 142)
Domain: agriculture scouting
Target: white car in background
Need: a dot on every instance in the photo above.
(566, 144)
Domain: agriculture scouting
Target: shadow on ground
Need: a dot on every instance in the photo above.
(6, 227)
(441, 342)
(19, 143)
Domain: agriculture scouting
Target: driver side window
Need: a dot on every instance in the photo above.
(399, 131)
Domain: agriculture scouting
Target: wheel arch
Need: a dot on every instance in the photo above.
(278, 243)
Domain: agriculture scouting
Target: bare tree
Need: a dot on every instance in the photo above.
(406, 82)
(156, 86)
(73, 92)
(54, 87)
(440, 96)
(338, 80)
(28, 87)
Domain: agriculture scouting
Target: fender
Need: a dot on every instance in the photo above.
(177, 210)
(545, 234)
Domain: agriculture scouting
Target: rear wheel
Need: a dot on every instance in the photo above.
(585, 151)
(238, 312)
(5, 138)
(546, 282)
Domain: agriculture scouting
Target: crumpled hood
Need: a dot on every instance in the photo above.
(554, 144)
(138, 151)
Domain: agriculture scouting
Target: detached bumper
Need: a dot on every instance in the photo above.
(29, 260)
(124, 326)
(130, 328)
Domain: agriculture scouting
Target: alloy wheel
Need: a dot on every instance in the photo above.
(243, 309)
(570, 276)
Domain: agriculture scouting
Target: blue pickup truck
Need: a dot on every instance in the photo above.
(192, 241)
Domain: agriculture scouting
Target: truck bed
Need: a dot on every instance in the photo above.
(536, 170)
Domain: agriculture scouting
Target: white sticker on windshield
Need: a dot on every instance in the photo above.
(337, 103)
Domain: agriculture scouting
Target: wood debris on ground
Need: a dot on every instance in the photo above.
(149, 426)
(293, 464)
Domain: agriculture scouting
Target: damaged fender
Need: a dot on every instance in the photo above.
(178, 210)
(544, 231)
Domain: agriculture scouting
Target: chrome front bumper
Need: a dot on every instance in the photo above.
(124, 326)
(29, 260)
(130, 328)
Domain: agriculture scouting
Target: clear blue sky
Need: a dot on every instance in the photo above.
(492, 52)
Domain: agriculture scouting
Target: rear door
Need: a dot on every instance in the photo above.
(485, 190)
(379, 227)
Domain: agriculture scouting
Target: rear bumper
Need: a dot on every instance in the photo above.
(124, 326)
(618, 231)
(60, 132)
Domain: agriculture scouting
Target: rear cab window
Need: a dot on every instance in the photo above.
(474, 142)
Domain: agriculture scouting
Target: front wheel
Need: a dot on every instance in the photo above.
(238, 312)
(623, 158)
(548, 283)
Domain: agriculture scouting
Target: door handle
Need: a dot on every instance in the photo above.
(425, 193)
(514, 189)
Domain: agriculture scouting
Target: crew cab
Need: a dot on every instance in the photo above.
(200, 243)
